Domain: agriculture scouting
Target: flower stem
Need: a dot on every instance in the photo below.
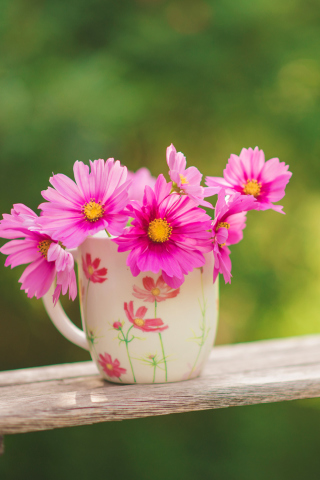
(86, 316)
(195, 362)
(154, 373)
(164, 358)
(203, 311)
(163, 355)
(86, 307)
(125, 338)
(134, 378)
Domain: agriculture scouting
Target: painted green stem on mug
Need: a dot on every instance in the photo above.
(203, 309)
(161, 343)
(90, 338)
(126, 341)
(164, 357)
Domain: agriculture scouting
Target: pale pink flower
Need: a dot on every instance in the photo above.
(47, 259)
(187, 180)
(250, 174)
(139, 180)
(168, 233)
(153, 291)
(92, 271)
(138, 320)
(227, 229)
(94, 202)
(111, 368)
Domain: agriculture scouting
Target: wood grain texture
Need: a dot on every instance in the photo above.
(74, 394)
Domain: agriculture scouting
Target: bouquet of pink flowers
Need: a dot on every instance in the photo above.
(162, 224)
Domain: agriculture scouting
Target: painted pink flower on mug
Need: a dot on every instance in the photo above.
(111, 368)
(138, 321)
(92, 271)
(153, 291)
(117, 325)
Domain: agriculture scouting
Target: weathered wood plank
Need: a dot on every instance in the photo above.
(243, 374)
(40, 374)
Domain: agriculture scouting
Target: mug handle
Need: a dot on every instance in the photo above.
(62, 321)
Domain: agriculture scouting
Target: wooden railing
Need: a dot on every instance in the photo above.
(242, 374)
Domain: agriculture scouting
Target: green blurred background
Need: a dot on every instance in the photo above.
(97, 79)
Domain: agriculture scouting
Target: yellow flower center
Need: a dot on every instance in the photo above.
(109, 366)
(183, 179)
(223, 225)
(221, 244)
(93, 211)
(90, 269)
(43, 247)
(252, 187)
(155, 291)
(159, 230)
(139, 322)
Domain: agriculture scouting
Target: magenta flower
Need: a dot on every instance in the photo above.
(250, 174)
(168, 233)
(95, 201)
(140, 179)
(186, 181)
(138, 321)
(227, 229)
(154, 291)
(92, 271)
(111, 368)
(47, 259)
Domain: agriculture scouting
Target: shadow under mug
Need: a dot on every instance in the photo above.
(138, 329)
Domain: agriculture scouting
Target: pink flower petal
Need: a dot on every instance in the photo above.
(148, 283)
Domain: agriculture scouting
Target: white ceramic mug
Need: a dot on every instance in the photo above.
(138, 329)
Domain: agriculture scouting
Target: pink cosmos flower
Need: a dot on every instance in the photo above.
(168, 233)
(94, 202)
(111, 368)
(227, 229)
(140, 179)
(154, 291)
(250, 174)
(47, 259)
(137, 319)
(187, 180)
(92, 271)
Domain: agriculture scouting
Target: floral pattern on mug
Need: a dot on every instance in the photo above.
(138, 321)
(117, 325)
(92, 271)
(111, 368)
(153, 291)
